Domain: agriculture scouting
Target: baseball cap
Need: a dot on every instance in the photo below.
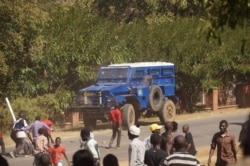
(154, 127)
(134, 130)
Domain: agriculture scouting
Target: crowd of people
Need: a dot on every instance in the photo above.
(33, 140)
(170, 148)
(167, 148)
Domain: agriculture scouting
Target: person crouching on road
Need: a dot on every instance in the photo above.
(115, 117)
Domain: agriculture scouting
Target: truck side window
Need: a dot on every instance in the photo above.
(155, 72)
(139, 74)
(168, 71)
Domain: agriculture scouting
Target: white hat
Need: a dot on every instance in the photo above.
(134, 130)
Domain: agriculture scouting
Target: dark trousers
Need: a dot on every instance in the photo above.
(116, 130)
(28, 147)
(2, 146)
(38, 156)
(13, 136)
(20, 145)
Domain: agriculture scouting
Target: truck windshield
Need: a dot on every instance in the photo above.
(113, 73)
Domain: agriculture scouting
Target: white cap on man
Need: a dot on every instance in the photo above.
(134, 130)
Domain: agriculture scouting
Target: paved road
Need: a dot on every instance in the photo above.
(202, 130)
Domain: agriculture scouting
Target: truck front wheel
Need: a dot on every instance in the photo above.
(167, 112)
(128, 115)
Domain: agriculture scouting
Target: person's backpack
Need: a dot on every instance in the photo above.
(19, 125)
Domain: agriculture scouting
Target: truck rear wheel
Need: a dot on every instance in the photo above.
(155, 98)
(167, 112)
(89, 122)
(128, 115)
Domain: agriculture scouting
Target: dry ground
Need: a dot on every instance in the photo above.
(203, 152)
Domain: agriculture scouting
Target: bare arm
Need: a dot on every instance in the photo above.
(210, 156)
(47, 127)
(188, 147)
(233, 144)
(66, 157)
(51, 139)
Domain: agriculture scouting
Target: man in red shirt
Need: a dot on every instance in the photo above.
(47, 132)
(115, 117)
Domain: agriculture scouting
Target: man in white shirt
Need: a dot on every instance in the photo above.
(136, 149)
(20, 134)
(91, 145)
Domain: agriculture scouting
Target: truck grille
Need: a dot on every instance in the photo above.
(90, 99)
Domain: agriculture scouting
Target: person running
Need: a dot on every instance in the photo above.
(226, 146)
(155, 155)
(56, 153)
(48, 133)
(136, 148)
(115, 117)
(19, 125)
(35, 126)
(91, 145)
(181, 156)
(189, 137)
(154, 128)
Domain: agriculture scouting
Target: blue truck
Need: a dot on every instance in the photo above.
(146, 88)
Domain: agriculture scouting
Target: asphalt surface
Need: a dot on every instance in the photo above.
(202, 130)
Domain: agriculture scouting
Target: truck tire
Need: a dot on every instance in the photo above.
(128, 115)
(155, 98)
(167, 112)
(89, 122)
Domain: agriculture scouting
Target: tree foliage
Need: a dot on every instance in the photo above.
(49, 50)
(21, 24)
(227, 13)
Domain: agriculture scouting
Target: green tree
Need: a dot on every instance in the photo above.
(222, 13)
(21, 24)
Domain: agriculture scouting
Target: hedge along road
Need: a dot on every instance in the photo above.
(202, 125)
